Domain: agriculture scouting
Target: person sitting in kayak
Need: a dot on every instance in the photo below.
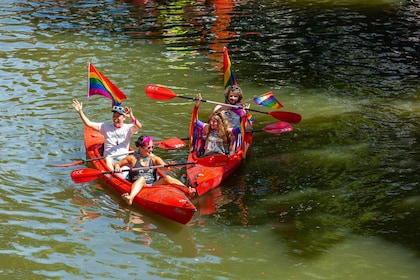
(117, 135)
(147, 176)
(216, 134)
(233, 96)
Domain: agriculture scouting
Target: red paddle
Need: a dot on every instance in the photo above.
(83, 175)
(162, 93)
(277, 128)
(171, 144)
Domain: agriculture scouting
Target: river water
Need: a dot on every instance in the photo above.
(337, 198)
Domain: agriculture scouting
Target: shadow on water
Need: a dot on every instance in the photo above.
(332, 181)
(358, 48)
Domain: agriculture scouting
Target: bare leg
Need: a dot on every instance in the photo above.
(168, 180)
(135, 189)
(110, 162)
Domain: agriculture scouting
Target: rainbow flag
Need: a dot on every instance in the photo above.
(228, 78)
(100, 85)
(268, 100)
(243, 132)
(250, 118)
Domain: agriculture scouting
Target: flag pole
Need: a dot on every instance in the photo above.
(88, 81)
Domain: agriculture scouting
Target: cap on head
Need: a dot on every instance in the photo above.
(120, 110)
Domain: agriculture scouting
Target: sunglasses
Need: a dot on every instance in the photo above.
(148, 147)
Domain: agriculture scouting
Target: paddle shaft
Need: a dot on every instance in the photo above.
(281, 115)
(219, 103)
(269, 129)
(117, 155)
(89, 160)
(163, 93)
(150, 167)
(83, 175)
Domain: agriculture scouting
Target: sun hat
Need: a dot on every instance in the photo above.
(120, 110)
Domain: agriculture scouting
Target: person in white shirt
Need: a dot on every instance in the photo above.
(117, 135)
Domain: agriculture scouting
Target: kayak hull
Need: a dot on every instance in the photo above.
(168, 201)
(205, 178)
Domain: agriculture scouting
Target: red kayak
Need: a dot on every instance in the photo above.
(205, 178)
(167, 201)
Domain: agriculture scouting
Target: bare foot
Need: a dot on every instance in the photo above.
(192, 191)
(126, 197)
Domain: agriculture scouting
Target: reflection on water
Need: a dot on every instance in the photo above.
(319, 202)
(295, 43)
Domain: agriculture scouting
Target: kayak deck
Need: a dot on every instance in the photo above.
(205, 178)
(168, 201)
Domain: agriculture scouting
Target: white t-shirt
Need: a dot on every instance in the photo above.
(117, 139)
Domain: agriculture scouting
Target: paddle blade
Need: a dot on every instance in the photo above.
(84, 175)
(213, 160)
(159, 92)
(172, 144)
(69, 164)
(286, 116)
(277, 128)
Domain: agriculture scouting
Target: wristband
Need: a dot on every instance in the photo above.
(133, 120)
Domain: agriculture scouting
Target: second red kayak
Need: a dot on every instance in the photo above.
(205, 178)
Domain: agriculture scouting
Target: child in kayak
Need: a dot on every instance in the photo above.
(233, 96)
(148, 176)
(216, 133)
